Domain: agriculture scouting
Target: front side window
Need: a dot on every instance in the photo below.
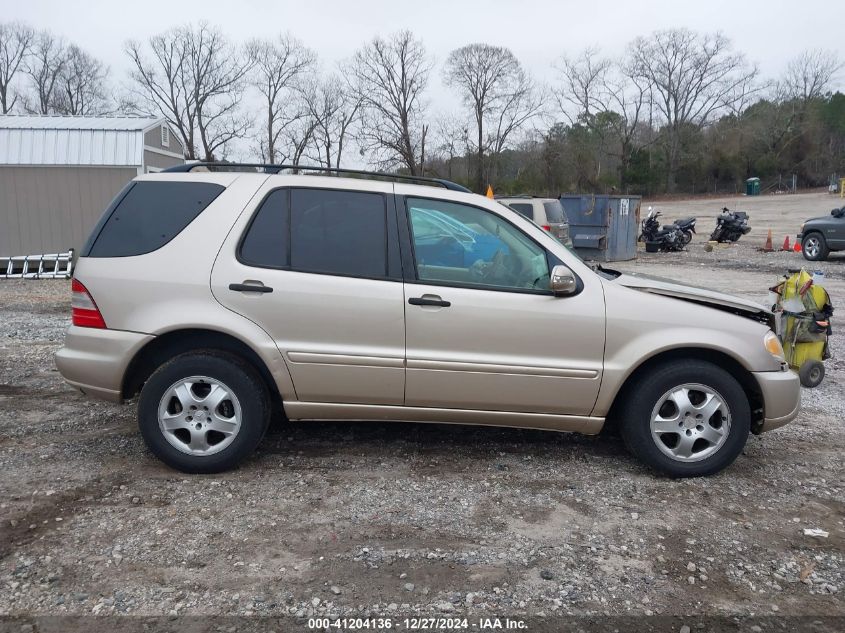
(464, 245)
(321, 231)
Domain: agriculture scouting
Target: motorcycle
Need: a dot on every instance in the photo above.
(687, 226)
(730, 226)
(669, 237)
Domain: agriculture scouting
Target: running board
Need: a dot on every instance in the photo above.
(365, 412)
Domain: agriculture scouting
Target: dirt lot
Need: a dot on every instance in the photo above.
(393, 519)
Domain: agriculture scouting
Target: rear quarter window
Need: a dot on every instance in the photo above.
(554, 212)
(147, 215)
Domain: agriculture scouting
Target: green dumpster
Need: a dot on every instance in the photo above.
(752, 187)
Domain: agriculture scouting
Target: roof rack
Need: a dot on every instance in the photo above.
(275, 169)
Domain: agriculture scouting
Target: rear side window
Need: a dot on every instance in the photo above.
(266, 241)
(320, 231)
(554, 212)
(148, 216)
(338, 232)
(523, 209)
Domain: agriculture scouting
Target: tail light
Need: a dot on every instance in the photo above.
(546, 227)
(84, 311)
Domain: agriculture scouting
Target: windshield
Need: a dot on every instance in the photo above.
(554, 212)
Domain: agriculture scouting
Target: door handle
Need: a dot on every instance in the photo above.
(255, 287)
(430, 300)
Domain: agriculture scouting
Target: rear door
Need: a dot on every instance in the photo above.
(317, 266)
(485, 333)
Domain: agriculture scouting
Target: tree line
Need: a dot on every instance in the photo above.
(678, 111)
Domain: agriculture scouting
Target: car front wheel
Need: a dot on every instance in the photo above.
(203, 412)
(814, 247)
(686, 418)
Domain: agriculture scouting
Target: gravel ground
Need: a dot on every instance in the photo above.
(399, 519)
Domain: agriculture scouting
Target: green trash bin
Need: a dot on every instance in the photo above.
(752, 187)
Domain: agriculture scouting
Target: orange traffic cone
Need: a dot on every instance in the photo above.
(786, 244)
(797, 247)
(768, 247)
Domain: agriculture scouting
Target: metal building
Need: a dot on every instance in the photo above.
(58, 174)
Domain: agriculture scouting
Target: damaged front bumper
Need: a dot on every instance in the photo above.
(781, 391)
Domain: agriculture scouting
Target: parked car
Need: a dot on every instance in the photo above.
(820, 236)
(546, 213)
(221, 296)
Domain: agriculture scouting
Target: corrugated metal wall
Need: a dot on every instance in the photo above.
(50, 209)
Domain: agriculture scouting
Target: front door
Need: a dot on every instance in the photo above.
(319, 270)
(483, 330)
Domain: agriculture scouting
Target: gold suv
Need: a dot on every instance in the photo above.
(221, 293)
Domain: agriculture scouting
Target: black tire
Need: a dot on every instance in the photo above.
(687, 237)
(644, 394)
(811, 373)
(716, 235)
(814, 247)
(243, 381)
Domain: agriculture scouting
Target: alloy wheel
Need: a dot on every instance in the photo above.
(199, 415)
(690, 422)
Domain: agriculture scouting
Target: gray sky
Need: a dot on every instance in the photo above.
(538, 32)
(769, 32)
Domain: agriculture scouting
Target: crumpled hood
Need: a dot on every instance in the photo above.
(718, 300)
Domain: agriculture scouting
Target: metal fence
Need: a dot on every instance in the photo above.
(43, 266)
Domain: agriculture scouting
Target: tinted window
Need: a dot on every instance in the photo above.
(148, 216)
(266, 241)
(554, 212)
(342, 232)
(524, 209)
(463, 245)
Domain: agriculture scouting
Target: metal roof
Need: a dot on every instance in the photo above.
(73, 140)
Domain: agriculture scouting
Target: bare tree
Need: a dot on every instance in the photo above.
(16, 41)
(500, 94)
(809, 75)
(81, 86)
(582, 80)
(296, 139)
(45, 64)
(692, 77)
(388, 77)
(196, 80)
(333, 109)
(279, 66)
(450, 134)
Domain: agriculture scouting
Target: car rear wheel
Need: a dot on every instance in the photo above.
(814, 247)
(686, 418)
(203, 412)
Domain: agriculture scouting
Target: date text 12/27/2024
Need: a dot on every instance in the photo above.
(416, 624)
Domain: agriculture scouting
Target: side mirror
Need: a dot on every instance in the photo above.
(563, 281)
(838, 213)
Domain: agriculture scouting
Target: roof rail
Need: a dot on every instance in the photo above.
(275, 169)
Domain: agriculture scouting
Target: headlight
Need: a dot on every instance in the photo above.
(773, 346)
